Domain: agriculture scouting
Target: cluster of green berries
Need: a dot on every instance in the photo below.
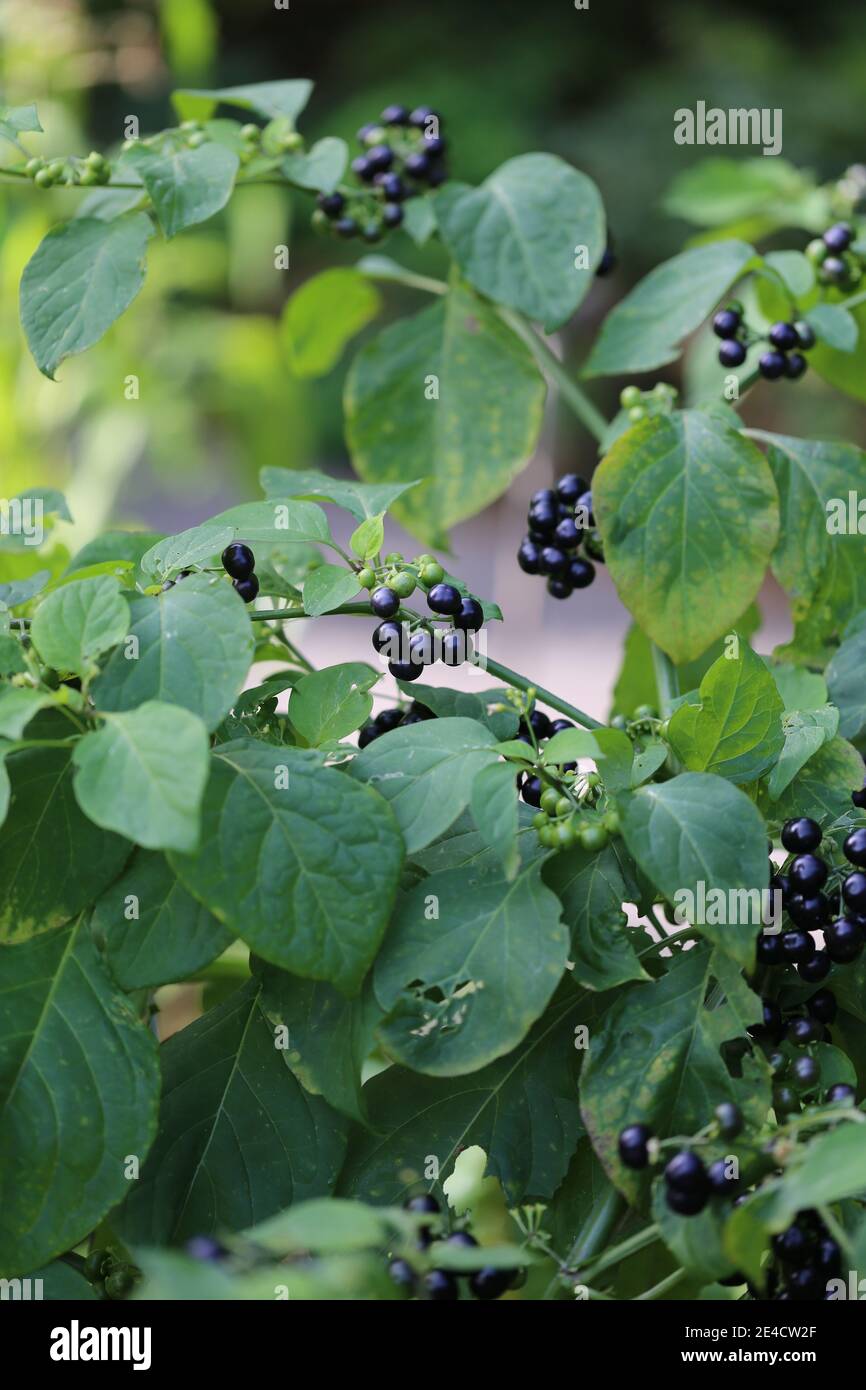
(786, 344)
(835, 262)
(560, 520)
(560, 821)
(402, 156)
(110, 1277)
(443, 1285)
(644, 721)
(640, 405)
(410, 646)
(91, 171)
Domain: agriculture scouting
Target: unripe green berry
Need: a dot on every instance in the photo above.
(547, 836)
(432, 574)
(540, 819)
(817, 250)
(644, 712)
(366, 578)
(189, 126)
(563, 806)
(197, 139)
(250, 132)
(630, 396)
(44, 178)
(403, 584)
(89, 177)
(564, 834)
(95, 159)
(636, 414)
(393, 558)
(376, 136)
(594, 837)
(292, 141)
(119, 1283)
(56, 168)
(549, 800)
(619, 721)
(32, 167)
(320, 221)
(611, 822)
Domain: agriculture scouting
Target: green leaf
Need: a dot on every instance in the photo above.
(799, 689)
(79, 1083)
(127, 546)
(367, 539)
(819, 560)
(297, 859)
(834, 326)
(696, 830)
(822, 789)
(76, 624)
(15, 120)
(62, 1283)
(14, 594)
(592, 889)
(736, 730)
(53, 860)
(655, 1058)
(450, 384)
(320, 168)
(610, 749)
(843, 367)
(493, 803)
(78, 281)
(193, 648)
(150, 928)
(329, 1037)
(321, 318)
(333, 702)
(794, 269)
(186, 186)
(696, 1241)
(144, 774)
(239, 1139)
(805, 732)
(426, 773)
(327, 1224)
(644, 330)
(361, 499)
(327, 587)
(718, 190)
(515, 238)
(278, 520)
(469, 963)
(522, 1110)
(194, 547)
(845, 683)
(682, 500)
(18, 705)
(270, 99)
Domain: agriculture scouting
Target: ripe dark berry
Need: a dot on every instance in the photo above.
(808, 874)
(405, 670)
(440, 1286)
(392, 214)
(816, 968)
(570, 487)
(783, 336)
(795, 366)
(834, 269)
(362, 168)
(581, 573)
(729, 1118)
(722, 1183)
(557, 725)
(855, 847)
(463, 1239)
(367, 734)
(822, 1006)
(420, 648)
(395, 115)
(543, 517)
(380, 158)
(402, 1274)
(471, 615)
(444, 598)
(806, 1285)
(633, 1146)
(607, 262)
(771, 364)
(531, 791)
(388, 637)
(490, 1283)
(795, 1245)
(584, 504)
(205, 1248)
(808, 912)
(685, 1172)
(529, 557)
(732, 353)
(772, 1019)
(726, 323)
(843, 940)
(805, 334)
(418, 165)
(686, 1203)
(386, 720)
(332, 204)
(769, 949)
(838, 237)
(540, 723)
(828, 1257)
(801, 836)
(806, 1071)
(238, 560)
(384, 602)
(859, 797)
(797, 946)
(425, 1202)
(365, 130)
(553, 561)
(567, 534)
(421, 115)
(456, 648)
(247, 588)
(346, 227)
(840, 1092)
(804, 1031)
(785, 1101)
(392, 186)
(559, 588)
(435, 145)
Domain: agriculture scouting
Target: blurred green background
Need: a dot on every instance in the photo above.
(217, 401)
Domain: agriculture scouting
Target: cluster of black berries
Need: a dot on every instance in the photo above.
(689, 1182)
(393, 718)
(561, 802)
(799, 1079)
(403, 154)
(804, 1258)
(408, 648)
(560, 521)
(787, 343)
(109, 1276)
(240, 562)
(836, 264)
(442, 1285)
(810, 908)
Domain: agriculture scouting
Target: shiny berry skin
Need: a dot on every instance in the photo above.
(471, 615)
(607, 262)
(721, 1184)
(444, 598)
(729, 1118)
(205, 1248)
(808, 874)
(726, 323)
(529, 557)
(557, 725)
(806, 1071)
(384, 602)
(732, 353)
(421, 648)
(463, 1239)
(795, 366)
(395, 115)
(828, 1257)
(584, 502)
(859, 797)
(772, 1019)
(567, 534)
(570, 487)
(816, 968)
(380, 158)
(332, 204)
(783, 336)
(490, 1283)
(388, 636)
(805, 334)
(346, 227)
(421, 115)
(685, 1172)
(801, 836)
(367, 734)
(785, 1101)
(855, 847)
(838, 237)
(540, 723)
(686, 1203)
(795, 1245)
(425, 1202)
(822, 1006)
(553, 561)
(362, 168)
(581, 573)
(769, 950)
(808, 912)
(456, 648)
(418, 165)
(405, 670)
(559, 588)
(531, 791)
(633, 1146)
(402, 1273)
(840, 1092)
(796, 946)
(247, 588)
(388, 719)
(806, 1285)
(392, 215)
(804, 1031)
(771, 364)
(238, 560)
(543, 517)
(834, 269)
(440, 1286)
(843, 940)
(392, 186)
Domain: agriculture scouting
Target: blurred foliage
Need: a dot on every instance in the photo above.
(216, 399)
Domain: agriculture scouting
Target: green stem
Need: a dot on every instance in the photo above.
(588, 414)
(513, 678)
(854, 300)
(667, 681)
(617, 1253)
(405, 277)
(664, 1286)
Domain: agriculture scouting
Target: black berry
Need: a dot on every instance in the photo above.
(463, 1239)
(456, 648)
(795, 1245)
(332, 204)
(384, 602)
(686, 1203)
(801, 836)
(633, 1146)
(531, 791)
(444, 598)
(238, 560)
(346, 227)
(722, 1183)
(386, 720)
(783, 336)
(581, 573)
(440, 1286)
(367, 734)
(392, 214)
(553, 560)
(795, 366)
(804, 1031)
(685, 1172)
(247, 588)
(855, 847)
(471, 615)
(808, 873)
(529, 557)
(567, 534)
(405, 670)
(489, 1283)
(732, 353)
(559, 588)
(808, 912)
(822, 1006)
(797, 946)
(418, 165)
(838, 237)
(570, 487)
(806, 1071)
(726, 323)
(816, 968)
(805, 334)
(402, 1274)
(843, 940)
(729, 1118)
(395, 115)
(388, 636)
(840, 1092)
(770, 950)
(771, 364)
